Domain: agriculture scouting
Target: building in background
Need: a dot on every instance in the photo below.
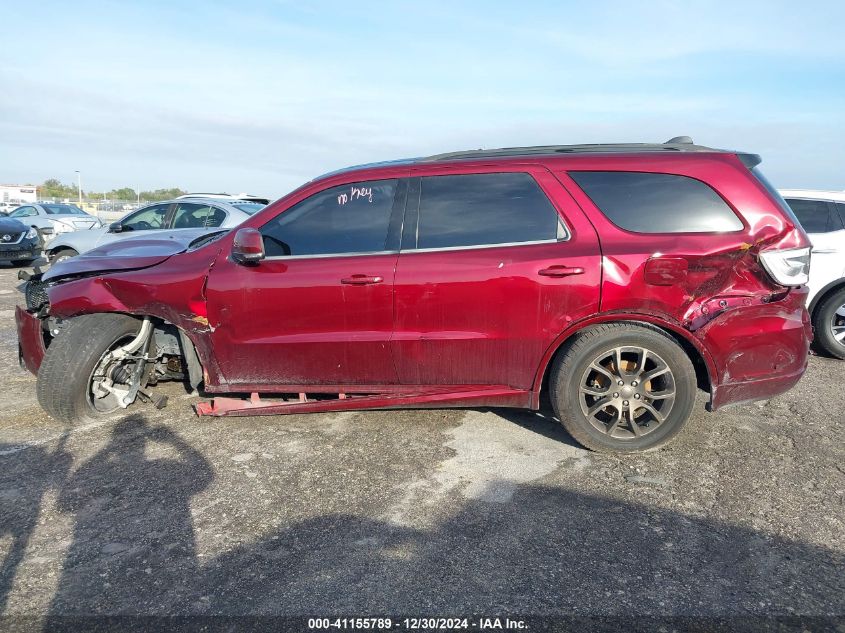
(18, 193)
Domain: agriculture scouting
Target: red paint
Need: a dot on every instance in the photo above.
(294, 321)
(477, 325)
(30, 339)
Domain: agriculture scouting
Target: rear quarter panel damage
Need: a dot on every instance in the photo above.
(710, 285)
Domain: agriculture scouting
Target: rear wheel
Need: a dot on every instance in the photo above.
(77, 362)
(62, 254)
(622, 388)
(829, 324)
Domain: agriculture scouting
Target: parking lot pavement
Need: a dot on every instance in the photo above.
(426, 512)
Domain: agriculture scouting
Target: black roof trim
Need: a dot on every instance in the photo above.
(749, 160)
(676, 144)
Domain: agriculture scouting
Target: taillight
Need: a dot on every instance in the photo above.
(790, 267)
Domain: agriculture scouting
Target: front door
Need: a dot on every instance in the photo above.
(491, 271)
(319, 309)
(142, 222)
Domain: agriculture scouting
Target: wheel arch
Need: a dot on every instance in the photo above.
(824, 293)
(705, 368)
(194, 347)
(54, 248)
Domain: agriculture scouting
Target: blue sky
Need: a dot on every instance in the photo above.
(261, 96)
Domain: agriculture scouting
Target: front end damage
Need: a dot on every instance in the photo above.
(159, 298)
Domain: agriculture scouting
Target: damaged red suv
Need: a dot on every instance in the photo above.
(617, 278)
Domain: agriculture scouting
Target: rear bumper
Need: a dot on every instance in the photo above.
(760, 350)
(31, 348)
(752, 391)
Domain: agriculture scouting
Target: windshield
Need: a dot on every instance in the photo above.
(62, 209)
(249, 207)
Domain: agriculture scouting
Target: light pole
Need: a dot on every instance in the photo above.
(79, 186)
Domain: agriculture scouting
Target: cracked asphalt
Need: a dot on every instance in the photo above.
(421, 512)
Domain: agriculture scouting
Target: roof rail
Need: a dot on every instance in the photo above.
(676, 144)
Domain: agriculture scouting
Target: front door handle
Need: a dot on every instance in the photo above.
(561, 271)
(361, 280)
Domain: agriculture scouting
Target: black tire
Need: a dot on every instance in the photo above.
(825, 318)
(21, 263)
(64, 377)
(62, 253)
(573, 365)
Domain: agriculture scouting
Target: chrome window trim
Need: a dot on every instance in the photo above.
(482, 246)
(327, 255)
(419, 250)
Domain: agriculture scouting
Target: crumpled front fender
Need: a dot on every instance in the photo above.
(84, 296)
(173, 291)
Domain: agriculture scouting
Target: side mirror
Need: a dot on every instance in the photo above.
(115, 227)
(248, 247)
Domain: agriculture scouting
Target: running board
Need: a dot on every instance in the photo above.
(476, 397)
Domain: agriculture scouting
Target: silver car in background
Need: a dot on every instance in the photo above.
(52, 219)
(171, 215)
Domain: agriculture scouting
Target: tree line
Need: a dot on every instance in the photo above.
(54, 188)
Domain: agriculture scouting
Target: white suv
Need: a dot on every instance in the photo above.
(822, 214)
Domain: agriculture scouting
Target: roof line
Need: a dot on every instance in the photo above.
(547, 150)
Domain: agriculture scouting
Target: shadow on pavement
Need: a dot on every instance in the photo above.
(133, 546)
(547, 551)
(20, 504)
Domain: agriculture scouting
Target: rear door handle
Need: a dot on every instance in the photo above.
(561, 271)
(361, 280)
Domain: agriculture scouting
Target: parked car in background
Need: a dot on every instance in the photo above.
(822, 214)
(240, 197)
(171, 215)
(7, 207)
(52, 219)
(617, 278)
(19, 242)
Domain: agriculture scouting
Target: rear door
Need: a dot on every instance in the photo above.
(495, 263)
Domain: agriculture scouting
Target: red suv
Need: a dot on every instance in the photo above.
(618, 278)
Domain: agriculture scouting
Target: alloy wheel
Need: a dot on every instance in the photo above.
(837, 324)
(627, 392)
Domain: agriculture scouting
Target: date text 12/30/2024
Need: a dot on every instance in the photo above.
(413, 624)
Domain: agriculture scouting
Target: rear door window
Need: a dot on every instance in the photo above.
(347, 219)
(657, 203)
(190, 215)
(483, 210)
(815, 216)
